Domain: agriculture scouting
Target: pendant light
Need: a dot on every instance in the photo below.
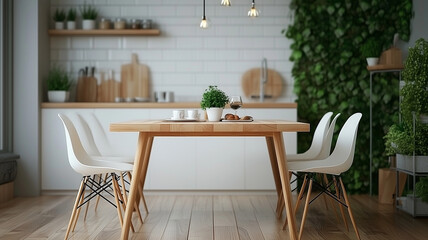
(225, 3)
(204, 22)
(253, 11)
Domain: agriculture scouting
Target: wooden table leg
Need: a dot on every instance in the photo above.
(274, 164)
(133, 191)
(286, 189)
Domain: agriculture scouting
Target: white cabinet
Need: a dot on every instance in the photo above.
(176, 163)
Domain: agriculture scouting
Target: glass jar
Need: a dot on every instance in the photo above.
(146, 24)
(119, 23)
(104, 23)
(135, 24)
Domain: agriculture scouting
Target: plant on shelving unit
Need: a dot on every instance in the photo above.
(71, 18)
(89, 15)
(59, 83)
(214, 100)
(59, 18)
(421, 189)
(401, 139)
(371, 50)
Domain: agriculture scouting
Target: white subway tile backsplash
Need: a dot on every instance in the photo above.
(135, 11)
(70, 55)
(107, 42)
(162, 11)
(96, 55)
(184, 58)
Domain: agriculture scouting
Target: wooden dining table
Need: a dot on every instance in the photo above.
(271, 130)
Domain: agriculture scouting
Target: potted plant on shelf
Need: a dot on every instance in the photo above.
(213, 101)
(371, 50)
(89, 15)
(59, 83)
(59, 18)
(409, 139)
(71, 19)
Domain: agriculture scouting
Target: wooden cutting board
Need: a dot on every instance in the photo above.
(134, 79)
(108, 89)
(251, 83)
(86, 90)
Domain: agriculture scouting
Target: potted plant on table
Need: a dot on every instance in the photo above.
(213, 101)
(89, 15)
(59, 84)
(59, 18)
(371, 50)
(71, 19)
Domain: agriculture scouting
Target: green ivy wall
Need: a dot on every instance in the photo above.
(330, 74)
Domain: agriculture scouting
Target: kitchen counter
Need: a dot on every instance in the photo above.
(159, 105)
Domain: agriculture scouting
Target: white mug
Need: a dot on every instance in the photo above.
(177, 114)
(192, 114)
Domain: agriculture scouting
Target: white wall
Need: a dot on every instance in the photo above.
(29, 60)
(184, 58)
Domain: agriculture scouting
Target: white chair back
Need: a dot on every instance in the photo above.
(77, 156)
(99, 135)
(86, 137)
(343, 154)
(326, 146)
(319, 134)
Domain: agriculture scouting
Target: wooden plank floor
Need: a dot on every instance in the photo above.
(204, 217)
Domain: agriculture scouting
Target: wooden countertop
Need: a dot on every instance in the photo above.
(159, 105)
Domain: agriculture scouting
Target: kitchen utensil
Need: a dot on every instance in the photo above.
(86, 90)
(251, 84)
(134, 79)
(109, 89)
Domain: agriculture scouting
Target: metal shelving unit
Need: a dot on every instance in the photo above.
(373, 70)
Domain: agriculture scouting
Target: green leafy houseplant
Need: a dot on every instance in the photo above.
(89, 12)
(329, 72)
(214, 98)
(58, 79)
(371, 48)
(421, 189)
(71, 15)
(401, 139)
(59, 15)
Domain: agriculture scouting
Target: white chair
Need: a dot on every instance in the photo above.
(89, 126)
(84, 164)
(338, 162)
(320, 148)
(317, 141)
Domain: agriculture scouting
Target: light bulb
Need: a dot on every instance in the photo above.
(253, 11)
(204, 23)
(225, 3)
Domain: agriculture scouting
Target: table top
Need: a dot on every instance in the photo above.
(257, 126)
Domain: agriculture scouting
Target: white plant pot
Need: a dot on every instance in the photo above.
(71, 25)
(58, 96)
(88, 24)
(372, 61)
(214, 114)
(59, 25)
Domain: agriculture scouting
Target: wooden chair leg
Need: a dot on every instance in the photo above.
(76, 202)
(299, 198)
(126, 198)
(82, 198)
(340, 205)
(330, 199)
(98, 197)
(87, 205)
(305, 211)
(319, 175)
(119, 195)
(116, 198)
(349, 208)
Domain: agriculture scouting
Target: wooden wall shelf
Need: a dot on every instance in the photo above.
(107, 32)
